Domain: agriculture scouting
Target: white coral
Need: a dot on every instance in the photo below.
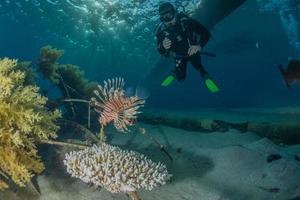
(115, 169)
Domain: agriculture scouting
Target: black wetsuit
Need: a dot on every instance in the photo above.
(183, 34)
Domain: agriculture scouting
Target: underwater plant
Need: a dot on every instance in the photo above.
(30, 73)
(73, 79)
(24, 121)
(114, 106)
(47, 62)
(115, 169)
(69, 79)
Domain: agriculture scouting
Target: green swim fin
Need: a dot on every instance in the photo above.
(211, 85)
(167, 81)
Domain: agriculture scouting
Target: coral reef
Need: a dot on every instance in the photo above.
(24, 121)
(116, 170)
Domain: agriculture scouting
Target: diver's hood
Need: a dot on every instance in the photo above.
(167, 12)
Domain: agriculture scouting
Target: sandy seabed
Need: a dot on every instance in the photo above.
(205, 166)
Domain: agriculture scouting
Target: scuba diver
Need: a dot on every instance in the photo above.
(183, 38)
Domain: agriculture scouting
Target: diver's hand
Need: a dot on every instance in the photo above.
(194, 49)
(167, 43)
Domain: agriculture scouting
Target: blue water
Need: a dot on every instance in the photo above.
(115, 38)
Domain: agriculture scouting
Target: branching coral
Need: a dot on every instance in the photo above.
(114, 106)
(116, 170)
(23, 121)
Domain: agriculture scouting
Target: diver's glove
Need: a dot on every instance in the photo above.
(167, 43)
(194, 49)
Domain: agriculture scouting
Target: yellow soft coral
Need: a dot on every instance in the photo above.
(24, 121)
(3, 185)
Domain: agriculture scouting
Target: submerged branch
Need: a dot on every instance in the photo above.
(134, 195)
(77, 100)
(162, 147)
(4, 175)
(102, 134)
(82, 101)
(81, 146)
(68, 95)
(89, 116)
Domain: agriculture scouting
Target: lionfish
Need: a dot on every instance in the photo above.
(114, 106)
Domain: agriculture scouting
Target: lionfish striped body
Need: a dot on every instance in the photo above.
(114, 106)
